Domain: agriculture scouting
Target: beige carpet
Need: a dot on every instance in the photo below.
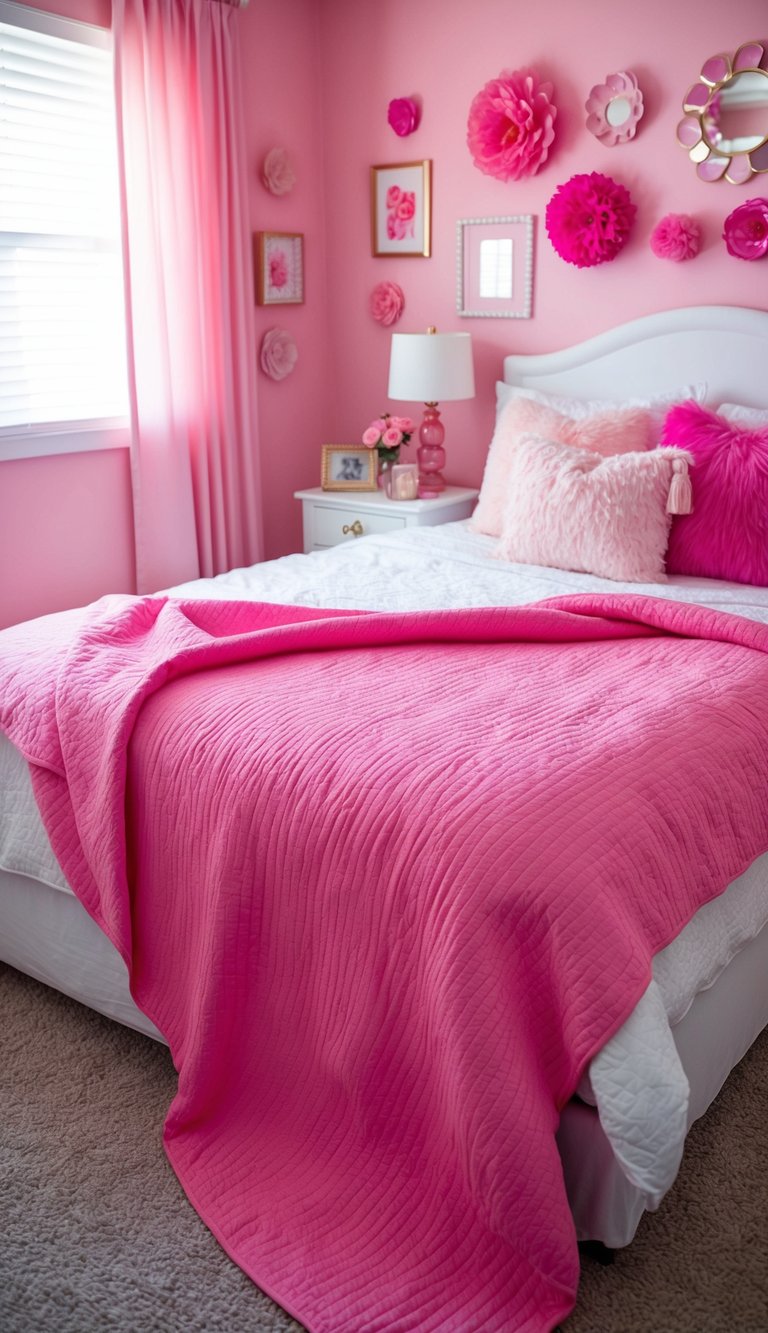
(95, 1232)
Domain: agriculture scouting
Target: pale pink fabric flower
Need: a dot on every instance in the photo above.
(278, 354)
(387, 303)
(677, 236)
(278, 269)
(511, 125)
(403, 115)
(371, 437)
(277, 173)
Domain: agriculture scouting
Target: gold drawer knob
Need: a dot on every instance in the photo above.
(355, 528)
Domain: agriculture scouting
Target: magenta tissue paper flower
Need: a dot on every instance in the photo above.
(387, 302)
(511, 125)
(677, 236)
(589, 218)
(403, 115)
(278, 354)
(745, 230)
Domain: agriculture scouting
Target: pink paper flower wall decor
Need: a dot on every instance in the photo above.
(511, 125)
(589, 218)
(403, 115)
(614, 108)
(677, 236)
(745, 230)
(387, 302)
(278, 354)
(277, 174)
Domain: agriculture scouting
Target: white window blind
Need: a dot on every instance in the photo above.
(62, 324)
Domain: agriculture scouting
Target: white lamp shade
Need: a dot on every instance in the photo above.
(431, 367)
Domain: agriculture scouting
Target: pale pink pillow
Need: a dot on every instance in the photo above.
(571, 509)
(606, 433)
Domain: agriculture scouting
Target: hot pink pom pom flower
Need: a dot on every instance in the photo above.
(745, 230)
(511, 125)
(677, 236)
(589, 218)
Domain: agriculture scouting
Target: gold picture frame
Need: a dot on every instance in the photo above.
(278, 261)
(349, 467)
(401, 210)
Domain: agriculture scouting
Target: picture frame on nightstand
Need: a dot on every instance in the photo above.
(348, 467)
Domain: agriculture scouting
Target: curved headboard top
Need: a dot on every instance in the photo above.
(725, 347)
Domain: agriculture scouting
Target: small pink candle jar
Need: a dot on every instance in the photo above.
(404, 482)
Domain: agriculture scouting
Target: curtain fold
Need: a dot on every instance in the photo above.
(191, 340)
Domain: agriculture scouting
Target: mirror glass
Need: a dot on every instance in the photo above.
(735, 119)
(725, 128)
(496, 268)
(618, 111)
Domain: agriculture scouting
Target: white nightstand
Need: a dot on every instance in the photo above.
(331, 517)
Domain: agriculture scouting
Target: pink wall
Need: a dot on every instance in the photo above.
(444, 51)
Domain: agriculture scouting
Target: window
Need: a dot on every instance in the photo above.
(62, 320)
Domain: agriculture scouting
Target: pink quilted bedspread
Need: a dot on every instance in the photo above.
(386, 883)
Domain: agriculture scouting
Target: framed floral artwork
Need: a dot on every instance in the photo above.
(494, 267)
(278, 260)
(347, 467)
(401, 209)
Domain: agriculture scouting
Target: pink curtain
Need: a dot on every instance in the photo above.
(191, 338)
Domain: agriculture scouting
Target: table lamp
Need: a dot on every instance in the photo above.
(429, 368)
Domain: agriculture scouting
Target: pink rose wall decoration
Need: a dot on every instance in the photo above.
(511, 125)
(589, 218)
(403, 115)
(277, 174)
(745, 230)
(278, 354)
(677, 236)
(387, 303)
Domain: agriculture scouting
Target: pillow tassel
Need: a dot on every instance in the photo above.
(680, 498)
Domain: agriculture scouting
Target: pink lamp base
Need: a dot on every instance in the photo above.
(431, 454)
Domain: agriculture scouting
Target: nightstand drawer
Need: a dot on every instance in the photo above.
(328, 524)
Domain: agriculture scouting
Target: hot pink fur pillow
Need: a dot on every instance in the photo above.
(726, 536)
(572, 509)
(617, 432)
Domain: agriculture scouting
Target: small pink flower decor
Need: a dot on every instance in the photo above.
(614, 108)
(387, 303)
(677, 236)
(511, 125)
(277, 174)
(745, 230)
(278, 354)
(387, 434)
(403, 115)
(589, 218)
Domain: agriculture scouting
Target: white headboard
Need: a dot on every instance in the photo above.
(726, 346)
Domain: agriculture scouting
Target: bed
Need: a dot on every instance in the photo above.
(709, 996)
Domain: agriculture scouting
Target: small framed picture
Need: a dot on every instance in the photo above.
(494, 267)
(349, 468)
(401, 209)
(278, 260)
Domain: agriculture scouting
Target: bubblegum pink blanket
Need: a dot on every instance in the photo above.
(386, 883)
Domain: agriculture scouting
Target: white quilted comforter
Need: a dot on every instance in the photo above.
(637, 1080)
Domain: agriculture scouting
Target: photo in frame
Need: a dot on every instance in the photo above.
(278, 260)
(401, 209)
(348, 467)
(494, 267)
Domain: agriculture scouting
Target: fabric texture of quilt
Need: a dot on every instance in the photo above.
(386, 883)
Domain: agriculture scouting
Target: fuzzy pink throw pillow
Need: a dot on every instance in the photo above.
(726, 535)
(571, 509)
(616, 432)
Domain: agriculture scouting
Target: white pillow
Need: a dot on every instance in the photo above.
(756, 418)
(578, 408)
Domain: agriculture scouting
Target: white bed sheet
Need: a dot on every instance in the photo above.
(637, 1081)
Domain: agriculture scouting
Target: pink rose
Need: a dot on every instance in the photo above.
(403, 424)
(277, 173)
(511, 125)
(380, 424)
(407, 206)
(371, 437)
(391, 438)
(278, 269)
(387, 305)
(394, 194)
(278, 354)
(745, 230)
(403, 115)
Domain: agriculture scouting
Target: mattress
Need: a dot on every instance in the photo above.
(637, 1080)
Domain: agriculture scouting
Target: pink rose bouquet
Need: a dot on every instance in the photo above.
(387, 434)
(745, 230)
